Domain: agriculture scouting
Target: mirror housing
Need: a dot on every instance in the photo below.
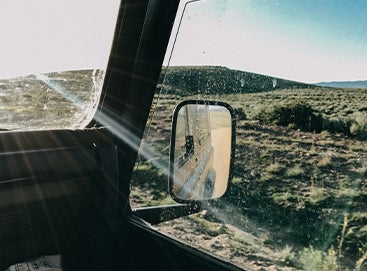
(201, 151)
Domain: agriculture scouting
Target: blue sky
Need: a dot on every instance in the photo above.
(303, 40)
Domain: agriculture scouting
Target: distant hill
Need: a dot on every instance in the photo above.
(344, 84)
(187, 80)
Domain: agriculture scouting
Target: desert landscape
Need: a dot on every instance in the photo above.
(49, 101)
(298, 192)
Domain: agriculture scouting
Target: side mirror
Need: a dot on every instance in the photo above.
(202, 147)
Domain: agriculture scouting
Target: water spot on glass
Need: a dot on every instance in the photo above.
(242, 81)
(274, 82)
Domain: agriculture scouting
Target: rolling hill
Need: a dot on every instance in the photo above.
(186, 80)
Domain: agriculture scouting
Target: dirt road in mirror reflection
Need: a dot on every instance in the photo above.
(221, 142)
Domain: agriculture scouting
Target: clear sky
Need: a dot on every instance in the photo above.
(303, 40)
(45, 35)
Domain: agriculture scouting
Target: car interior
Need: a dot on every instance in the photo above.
(183, 135)
(65, 192)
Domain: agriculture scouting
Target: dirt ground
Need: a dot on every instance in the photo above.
(227, 242)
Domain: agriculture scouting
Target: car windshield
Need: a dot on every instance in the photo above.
(52, 61)
(295, 73)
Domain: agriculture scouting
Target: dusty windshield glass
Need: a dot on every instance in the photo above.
(295, 73)
(52, 61)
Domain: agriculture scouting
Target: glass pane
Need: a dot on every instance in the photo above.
(52, 61)
(296, 74)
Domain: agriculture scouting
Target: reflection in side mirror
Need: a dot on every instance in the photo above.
(201, 150)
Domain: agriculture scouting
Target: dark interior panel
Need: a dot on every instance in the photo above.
(161, 252)
(58, 194)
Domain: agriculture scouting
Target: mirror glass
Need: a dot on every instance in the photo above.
(200, 152)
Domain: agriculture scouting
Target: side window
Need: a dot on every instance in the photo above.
(52, 61)
(295, 74)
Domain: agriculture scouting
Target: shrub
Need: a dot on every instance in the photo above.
(362, 171)
(240, 114)
(287, 254)
(296, 171)
(310, 259)
(316, 195)
(274, 168)
(297, 115)
(359, 126)
(325, 161)
(338, 125)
